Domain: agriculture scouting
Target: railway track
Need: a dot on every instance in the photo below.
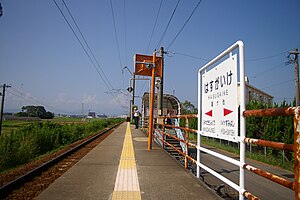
(32, 182)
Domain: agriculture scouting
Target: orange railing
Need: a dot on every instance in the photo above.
(295, 147)
(186, 130)
(291, 111)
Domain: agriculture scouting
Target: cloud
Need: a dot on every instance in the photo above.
(105, 104)
(90, 99)
(63, 98)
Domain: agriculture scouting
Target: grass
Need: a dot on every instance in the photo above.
(11, 125)
(259, 156)
(30, 140)
(66, 119)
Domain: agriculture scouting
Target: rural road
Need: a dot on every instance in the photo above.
(257, 185)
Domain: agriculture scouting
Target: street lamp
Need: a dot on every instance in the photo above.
(131, 89)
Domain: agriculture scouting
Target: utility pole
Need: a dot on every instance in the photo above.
(1, 10)
(160, 91)
(131, 89)
(296, 63)
(82, 111)
(2, 104)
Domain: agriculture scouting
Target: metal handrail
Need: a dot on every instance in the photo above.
(295, 147)
(186, 129)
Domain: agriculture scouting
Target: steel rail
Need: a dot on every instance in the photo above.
(10, 186)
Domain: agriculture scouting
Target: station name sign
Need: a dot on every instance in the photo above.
(219, 116)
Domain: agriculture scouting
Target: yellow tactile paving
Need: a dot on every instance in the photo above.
(127, 195)
(127, 184)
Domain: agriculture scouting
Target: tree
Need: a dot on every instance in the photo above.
(188, 108)
(35, 111)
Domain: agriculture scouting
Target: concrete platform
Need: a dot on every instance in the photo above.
(159, 175)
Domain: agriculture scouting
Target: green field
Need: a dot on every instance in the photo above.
(23, 141)
(10, 125)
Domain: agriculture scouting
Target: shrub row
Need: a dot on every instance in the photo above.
(277, 129)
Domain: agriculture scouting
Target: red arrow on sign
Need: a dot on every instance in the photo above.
(226, 111)
(209, 113)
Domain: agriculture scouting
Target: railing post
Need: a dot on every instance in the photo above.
(297, 153)
(152, 92)
(163, 133)
(186, 163)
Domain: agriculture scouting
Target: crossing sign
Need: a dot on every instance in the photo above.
(219, 117)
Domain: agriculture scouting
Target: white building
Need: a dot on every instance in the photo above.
(252, 93)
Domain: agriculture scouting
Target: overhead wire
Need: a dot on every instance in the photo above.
(125, 39)
(93, 63)
(266, 57)
(73, 31)
(88, 46)
(164, 33)
(267, 70)
(187, 55)
(188, 19)
(276, 84)
(249, 60)
(116, 36)
(155, 22)
(125, 24)
(151, 36)
(34, 100)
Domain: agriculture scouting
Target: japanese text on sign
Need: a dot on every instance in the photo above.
(219, 101)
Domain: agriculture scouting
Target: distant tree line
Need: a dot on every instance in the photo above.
(35, 111)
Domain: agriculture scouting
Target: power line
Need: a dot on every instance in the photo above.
(190, 56)
(188, 19)
(164, 33)
(115, 30)
(281, 83)
(82, 46)
(73, 31)
(267, 70)
(266, 57)
(33, 100)
(125, 23)
(142, 89)
(154, 25)
(88, 46)
(249, 60)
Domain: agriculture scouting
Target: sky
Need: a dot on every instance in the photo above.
(43, 61)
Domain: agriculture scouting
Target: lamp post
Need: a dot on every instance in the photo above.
(132, 85)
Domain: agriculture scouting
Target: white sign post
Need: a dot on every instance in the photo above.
(219, 117)
(218, 109)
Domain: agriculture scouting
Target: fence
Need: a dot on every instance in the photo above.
(160, 134)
